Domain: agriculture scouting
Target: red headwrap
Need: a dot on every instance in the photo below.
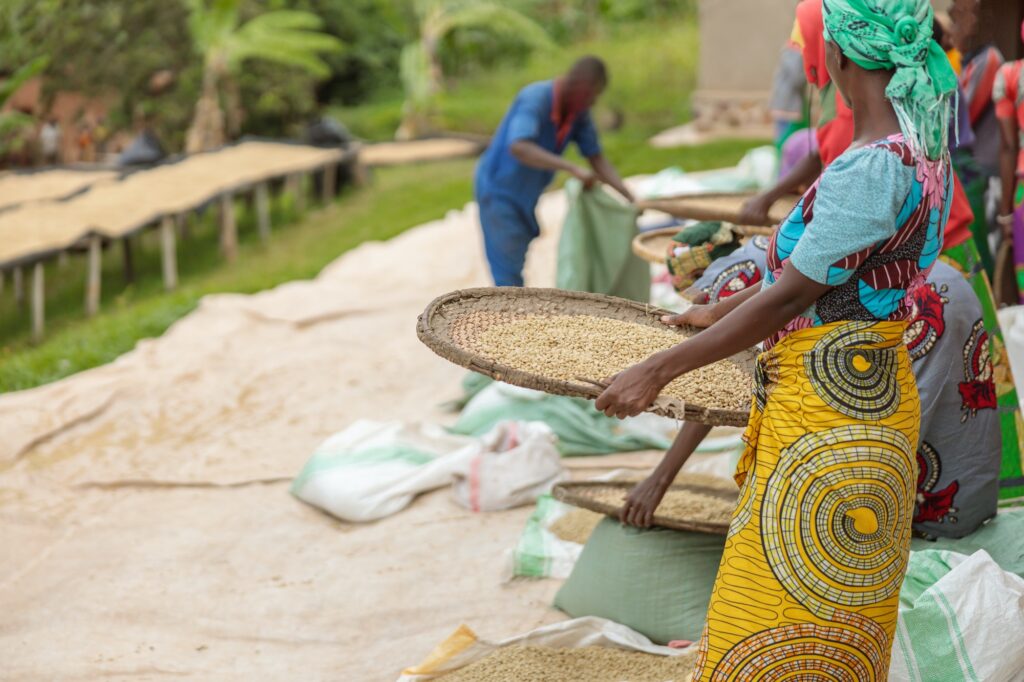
(812, 30)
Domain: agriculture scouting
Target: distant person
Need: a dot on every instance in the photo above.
(977, 78)
(86, 143)
(787, 102)
(49, 141)
(144, 150)
(834, 130)
(525, 154)
(1008, 95)
(326, 131)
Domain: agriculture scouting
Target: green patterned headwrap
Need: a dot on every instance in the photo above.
(897, 35)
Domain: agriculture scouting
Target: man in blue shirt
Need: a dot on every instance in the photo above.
(526, 152)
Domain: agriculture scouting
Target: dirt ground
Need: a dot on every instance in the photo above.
(145, 519)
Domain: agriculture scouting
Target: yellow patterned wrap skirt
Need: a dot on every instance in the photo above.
(809, 583)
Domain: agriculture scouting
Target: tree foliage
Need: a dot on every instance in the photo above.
(14, 123)
(225, 42)
(370, 48)
(421, 64)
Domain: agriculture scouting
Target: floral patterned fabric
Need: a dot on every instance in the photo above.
(871, 227)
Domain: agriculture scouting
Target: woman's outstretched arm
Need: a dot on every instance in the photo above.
(634, 390)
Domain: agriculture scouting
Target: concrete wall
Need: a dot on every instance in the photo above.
(1000, 24)
(740, 42)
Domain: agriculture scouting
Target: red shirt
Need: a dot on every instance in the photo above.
(1008, 95)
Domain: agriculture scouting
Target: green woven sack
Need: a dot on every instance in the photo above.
(595, 252)
(656, 581)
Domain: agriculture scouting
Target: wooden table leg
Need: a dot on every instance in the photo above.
(228, 227)
(94, 276)
(262, 200)
(168, 253)
(38, 302)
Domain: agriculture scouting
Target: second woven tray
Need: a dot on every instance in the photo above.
(717, 206)
(652, 246)
(698, 508)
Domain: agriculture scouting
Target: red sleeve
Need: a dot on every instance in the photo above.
(958, 227)
(1004, 92)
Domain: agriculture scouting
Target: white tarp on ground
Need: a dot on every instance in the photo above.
(145, 519)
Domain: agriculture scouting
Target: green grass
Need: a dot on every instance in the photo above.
(653, 71)
(652, 75)
(398, 199)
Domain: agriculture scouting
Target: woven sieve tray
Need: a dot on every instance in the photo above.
(653, 246)
(582, 494)
(724, 206)
(436, 325)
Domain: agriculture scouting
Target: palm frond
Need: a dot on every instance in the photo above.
(211, 22)
(289, 37)
(22, 76)
(496, 19)
(414, 71)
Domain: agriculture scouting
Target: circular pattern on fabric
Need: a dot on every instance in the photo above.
(760, 385)
(702, 655)
(929, 323)
(850, 649)
(761, 242)
(857, 382)
(733, 280)
(929, 467)
(835, 516)
(977, 356)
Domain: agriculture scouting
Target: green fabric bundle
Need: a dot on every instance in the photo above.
(709, 232)
(656, 581)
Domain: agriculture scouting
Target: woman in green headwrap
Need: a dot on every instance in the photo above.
(808, 587)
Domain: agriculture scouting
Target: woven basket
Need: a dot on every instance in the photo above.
(653, 246)
(752, 231)
(584, 494)
(436, 328)
(717, 206)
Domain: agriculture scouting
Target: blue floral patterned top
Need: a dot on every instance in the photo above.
(871, 227)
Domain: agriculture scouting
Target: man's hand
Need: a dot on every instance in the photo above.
(642, 502)
(587, 177)
(755, 210)
(700, 316)
(631, 391)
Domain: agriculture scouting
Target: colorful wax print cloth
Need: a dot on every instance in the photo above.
(960, 451)
(809, 583)
(987, 381)
(978, 79)
(871, 227)
(976, 186)
(733, 273)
